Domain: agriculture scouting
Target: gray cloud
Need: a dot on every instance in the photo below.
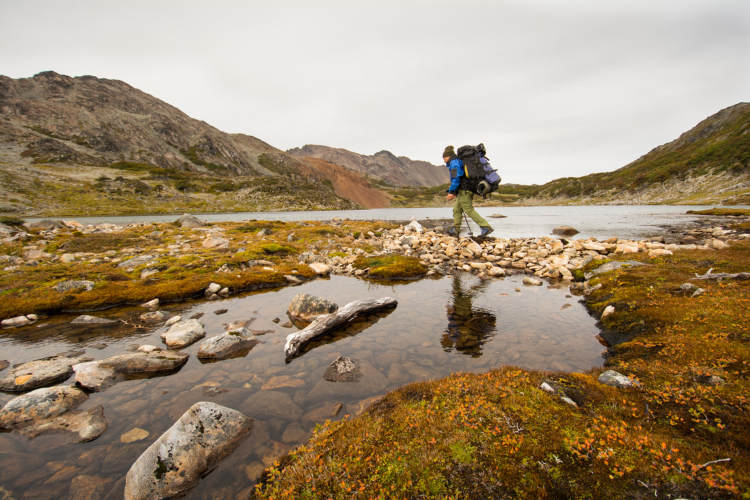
(554, 89)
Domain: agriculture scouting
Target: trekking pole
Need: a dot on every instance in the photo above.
(467, 225)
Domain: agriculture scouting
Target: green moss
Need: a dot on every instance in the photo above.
(391, 266)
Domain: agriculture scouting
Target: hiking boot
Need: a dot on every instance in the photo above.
(485, 232)
(452, 232)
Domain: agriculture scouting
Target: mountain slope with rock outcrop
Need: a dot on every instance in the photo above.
(85, 146)
(384, 165)
(710, 163)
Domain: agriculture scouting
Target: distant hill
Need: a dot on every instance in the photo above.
(707, 164)
(383, 165)
(62, 130)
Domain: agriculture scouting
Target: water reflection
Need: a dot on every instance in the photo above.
(469, 327)
(488, 323)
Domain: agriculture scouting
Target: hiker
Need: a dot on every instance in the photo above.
(462, 191)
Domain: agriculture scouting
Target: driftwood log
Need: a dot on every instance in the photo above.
(327, 323)
(721, 276)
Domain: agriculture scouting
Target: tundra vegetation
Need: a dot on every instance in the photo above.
(681, 431)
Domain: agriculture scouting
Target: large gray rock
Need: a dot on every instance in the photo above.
(227, 344)
(39, 373)
(40, 404)
(98, 375)
(271, 405)
(183, 333)
(67, 286)
(83, 426)
(190, 221)
(194, 445)
(615, 379)
(308, 307)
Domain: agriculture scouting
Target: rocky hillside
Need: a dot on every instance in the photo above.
(708, 164)
(383, 165)
(120, 148)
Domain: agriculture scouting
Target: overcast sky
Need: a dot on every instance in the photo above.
(553, 88)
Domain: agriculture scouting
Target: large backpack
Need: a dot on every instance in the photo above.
(482, 177)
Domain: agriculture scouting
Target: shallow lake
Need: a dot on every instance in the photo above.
(623, 221)
(440, 326)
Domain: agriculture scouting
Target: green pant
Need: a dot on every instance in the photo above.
(465, 205)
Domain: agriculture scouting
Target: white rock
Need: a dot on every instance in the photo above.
(320, 268)
(17, 321)
(171, 321)
(183, 333)
(546, 387)
(607, 311)
(213, 288)
(615, 379)
(67, 258)
(151, 304)
(532, 281)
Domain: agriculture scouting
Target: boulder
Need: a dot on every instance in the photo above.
(47, 225)
(183, 333)
(565, 231)
(193, 446)
(190, 221)
(308, 307)
(40, 404)
(343, 370)
(615, 379)
(227, 344)
(67, 286)
(39, 373)
(84, 425)
(98, 375)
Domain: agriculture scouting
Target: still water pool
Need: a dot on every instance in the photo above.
(440, 326)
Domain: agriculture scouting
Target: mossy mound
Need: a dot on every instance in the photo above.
(391, 266)
(720, 211)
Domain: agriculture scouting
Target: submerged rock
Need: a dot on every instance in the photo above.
(308, 307)
(40, 404)
(343, 370)
(565, 231)
(194, 445)
(183, 333)
(154, 317)
(98, 375)
(91, 320)
(228, 343)
(39, 373)
(85, 425)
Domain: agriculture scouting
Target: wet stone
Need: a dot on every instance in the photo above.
(308, 307)
(343, 370)
(227, 344)
(3, 364)
(83, 426)
(270, 405)
(194, 445)
(91, 320)
(183, 334)
(88, 488)
(40, 404)
(39, 373)
(99, 375)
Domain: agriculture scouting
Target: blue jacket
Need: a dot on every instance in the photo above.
(456, 168)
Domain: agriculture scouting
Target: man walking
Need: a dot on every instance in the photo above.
(461, 190)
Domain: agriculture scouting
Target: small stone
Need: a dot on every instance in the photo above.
(615, 379)
(565, 231)
(569, 401)
(154, 317)
(213, 288)
(343, 370)
(532, 281)
(292, 279)
(607, 311)
(227, 344)
(308, 307)
(151, 304)
(547, 388)
(91, 320)
(132, 435)
(17, 321)
(174, 319)
(698, 292)
(320, 268)
(220, 311)
(183, 334)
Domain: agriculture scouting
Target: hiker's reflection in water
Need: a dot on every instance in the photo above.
(468, 328)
